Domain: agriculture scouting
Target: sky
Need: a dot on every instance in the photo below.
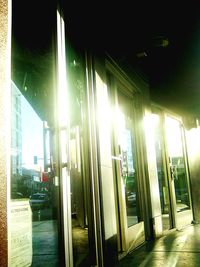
(32, 136)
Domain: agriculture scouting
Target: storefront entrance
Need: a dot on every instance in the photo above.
(172, 171)
(127, 174)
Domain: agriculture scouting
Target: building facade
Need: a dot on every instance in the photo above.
(116, 168)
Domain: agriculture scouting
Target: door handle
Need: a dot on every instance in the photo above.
(173, 171)
(65, 165)
(116, 158)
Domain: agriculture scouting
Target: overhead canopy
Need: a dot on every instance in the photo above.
(162, 41)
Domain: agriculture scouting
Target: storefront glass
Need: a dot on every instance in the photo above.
(34, 174)
(177, 163)
(49, 155)
(128, 158)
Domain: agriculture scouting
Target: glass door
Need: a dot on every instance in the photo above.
(83, 244)
(164, 189)
(178, 171)
(79, 238)
(172, 171)
(130, 227)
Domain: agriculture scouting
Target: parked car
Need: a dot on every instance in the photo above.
(131, 198)
(130, 191)
(16, 195)
(39, 201)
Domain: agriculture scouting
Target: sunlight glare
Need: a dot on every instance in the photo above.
(63, 113)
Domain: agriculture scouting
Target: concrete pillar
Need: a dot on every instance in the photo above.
(5, 52)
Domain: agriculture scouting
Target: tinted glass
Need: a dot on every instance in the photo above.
(128, 157)
(161, 172)
(33, 176)
(177, 163)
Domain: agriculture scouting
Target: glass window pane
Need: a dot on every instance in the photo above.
(79, 173)
(162, 177)
(177, 163)
(128, 158)
(33, 176)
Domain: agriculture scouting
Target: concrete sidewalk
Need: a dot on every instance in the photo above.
(45, 244)
(180, 248)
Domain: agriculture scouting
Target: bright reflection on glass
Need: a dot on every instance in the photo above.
(103, 113)
(177, 162)
(125, 126)
(31, 150)
(26, 157)
(29, 179)
(193, 142)
(63, 114)
(151, 122)
(174, 137)
(79, 167)
(158, 142)
(33, 137)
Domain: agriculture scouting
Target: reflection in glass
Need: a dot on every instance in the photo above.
(177, 163)
(33, 176)
(29, 178)
(26, 157)
(128, 159)
(79, 167)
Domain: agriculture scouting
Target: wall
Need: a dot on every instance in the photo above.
(193, 149)
(5, 53)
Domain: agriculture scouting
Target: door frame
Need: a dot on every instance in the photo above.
(128, 237)
(177, 220)
(183, 218)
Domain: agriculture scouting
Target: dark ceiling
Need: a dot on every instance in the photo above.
(132, 32)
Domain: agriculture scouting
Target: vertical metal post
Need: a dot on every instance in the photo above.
(94, 162)
(64, 139)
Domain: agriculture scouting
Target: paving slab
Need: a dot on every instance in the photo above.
(180, 248)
